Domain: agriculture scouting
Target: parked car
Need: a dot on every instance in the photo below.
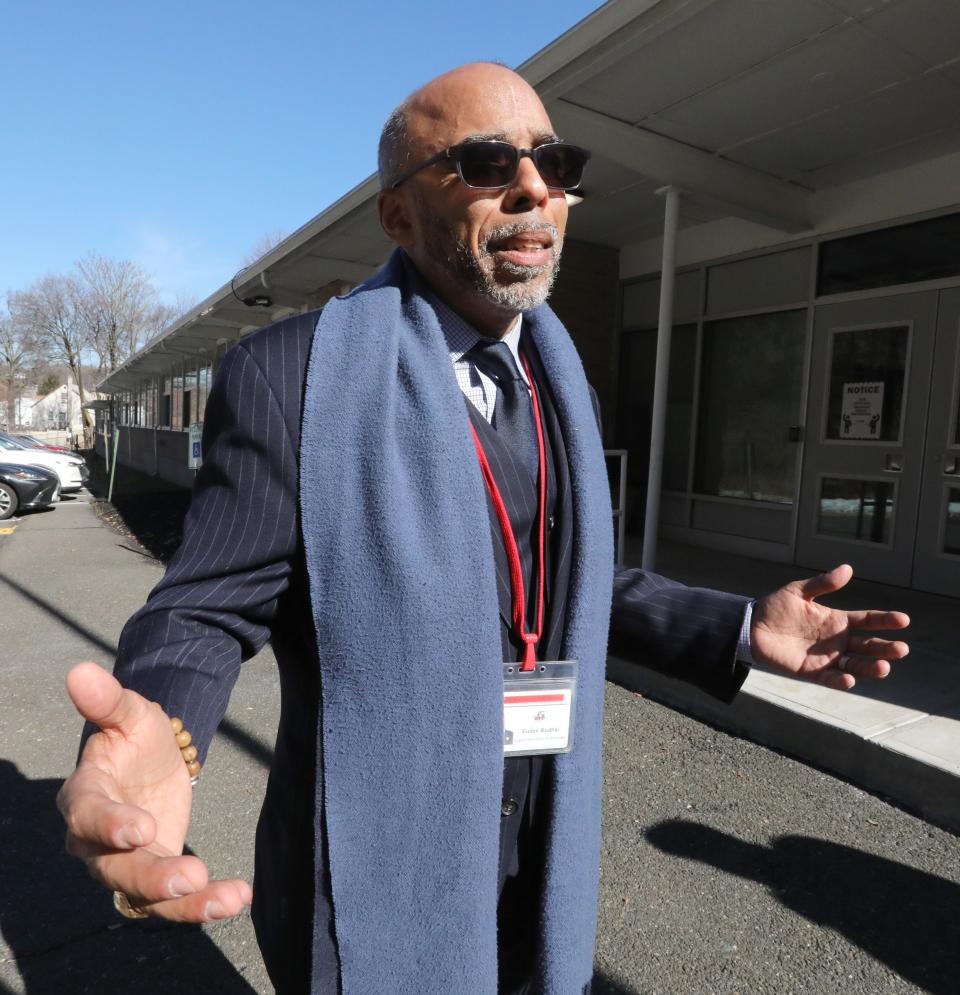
(23, 486)
(71, 470)
(32, 442)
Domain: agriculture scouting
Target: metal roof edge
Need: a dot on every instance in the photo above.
(591, 30)
(352, 199)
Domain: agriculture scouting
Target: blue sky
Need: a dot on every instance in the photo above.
(179, 134)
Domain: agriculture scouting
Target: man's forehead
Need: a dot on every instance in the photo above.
(477, 102)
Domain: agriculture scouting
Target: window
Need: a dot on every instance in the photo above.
(867, 374)
(204, 379)
(637, 370)
(149, 403)
(859, 510)
(921, 250)
(951, 525)
(751, 376)
(165, 412)
(189, 394)
(176, 400)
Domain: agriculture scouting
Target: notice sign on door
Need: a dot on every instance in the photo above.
(861, 410)
(195, 457)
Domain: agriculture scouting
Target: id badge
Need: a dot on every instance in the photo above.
(538, 708)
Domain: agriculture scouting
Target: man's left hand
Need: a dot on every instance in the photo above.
(792, 633)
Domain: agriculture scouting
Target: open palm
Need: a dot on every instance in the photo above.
(127, 806)
(791, 632)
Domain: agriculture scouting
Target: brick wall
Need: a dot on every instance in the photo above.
(585, 298)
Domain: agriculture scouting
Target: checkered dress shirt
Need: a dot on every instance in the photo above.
(461, 337)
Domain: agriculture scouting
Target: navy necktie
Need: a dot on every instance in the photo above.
(513, 411)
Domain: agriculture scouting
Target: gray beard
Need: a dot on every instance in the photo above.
(522, 293)
(478, 271)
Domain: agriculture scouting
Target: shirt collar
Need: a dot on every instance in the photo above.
(461, 336)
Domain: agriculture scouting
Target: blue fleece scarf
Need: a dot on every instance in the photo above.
(399, 556)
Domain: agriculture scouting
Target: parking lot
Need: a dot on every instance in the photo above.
(35, 471)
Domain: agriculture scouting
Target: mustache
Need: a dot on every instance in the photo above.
(502, 232)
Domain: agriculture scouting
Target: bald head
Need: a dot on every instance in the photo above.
(415, 129)
(490, 252)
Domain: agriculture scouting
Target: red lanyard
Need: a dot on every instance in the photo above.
(530, 639)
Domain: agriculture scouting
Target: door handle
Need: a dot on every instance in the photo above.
(951, 465)
(892, 463)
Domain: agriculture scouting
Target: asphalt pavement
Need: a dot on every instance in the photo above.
(67, 585)
(730, 869)
(727, 867)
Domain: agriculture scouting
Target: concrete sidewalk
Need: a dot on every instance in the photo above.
(899, 737)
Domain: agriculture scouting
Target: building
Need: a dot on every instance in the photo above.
(803, 157)
(23, 407)
(60, 410)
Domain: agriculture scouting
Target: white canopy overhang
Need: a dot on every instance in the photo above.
(745, 106)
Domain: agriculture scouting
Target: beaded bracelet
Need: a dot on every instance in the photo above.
(187, 750)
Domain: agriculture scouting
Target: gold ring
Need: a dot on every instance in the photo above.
(122, 904)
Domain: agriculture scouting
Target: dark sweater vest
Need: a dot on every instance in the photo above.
(524, 808)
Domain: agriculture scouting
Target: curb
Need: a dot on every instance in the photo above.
(866, 762)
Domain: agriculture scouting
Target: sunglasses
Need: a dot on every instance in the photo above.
(493, 165)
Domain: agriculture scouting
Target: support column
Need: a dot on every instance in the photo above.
(662, 377)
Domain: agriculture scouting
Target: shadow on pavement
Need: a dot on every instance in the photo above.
(62, 929)
(603, 984)
(903, 917)
(51, 609)
(61, 926)
(255, 748)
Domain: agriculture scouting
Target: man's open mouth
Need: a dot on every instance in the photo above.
(524, 248)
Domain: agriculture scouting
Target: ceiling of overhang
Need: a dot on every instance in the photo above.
(811, 93)
(351, 249)
(746, 105)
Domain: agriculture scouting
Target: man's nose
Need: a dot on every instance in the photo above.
(527, 190)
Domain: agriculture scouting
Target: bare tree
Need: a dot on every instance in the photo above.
(50, 312)
(263, 245)
(117, 306)
(14, 357)
(163, 315)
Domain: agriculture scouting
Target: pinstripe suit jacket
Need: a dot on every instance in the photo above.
(239, 579)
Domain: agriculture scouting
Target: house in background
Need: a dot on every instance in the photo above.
(24, 396)
(59, 410)
(23, 407)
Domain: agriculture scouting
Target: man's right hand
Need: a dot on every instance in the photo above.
(127, 806)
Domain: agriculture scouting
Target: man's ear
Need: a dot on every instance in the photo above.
(395, 217)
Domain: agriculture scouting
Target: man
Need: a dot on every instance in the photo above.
(398, 851)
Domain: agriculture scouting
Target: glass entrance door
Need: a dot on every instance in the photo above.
(866, 420)
(936, 564)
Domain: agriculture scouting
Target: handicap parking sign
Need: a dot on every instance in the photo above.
(195, 451)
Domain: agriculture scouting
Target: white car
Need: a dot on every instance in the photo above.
(71, 470)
